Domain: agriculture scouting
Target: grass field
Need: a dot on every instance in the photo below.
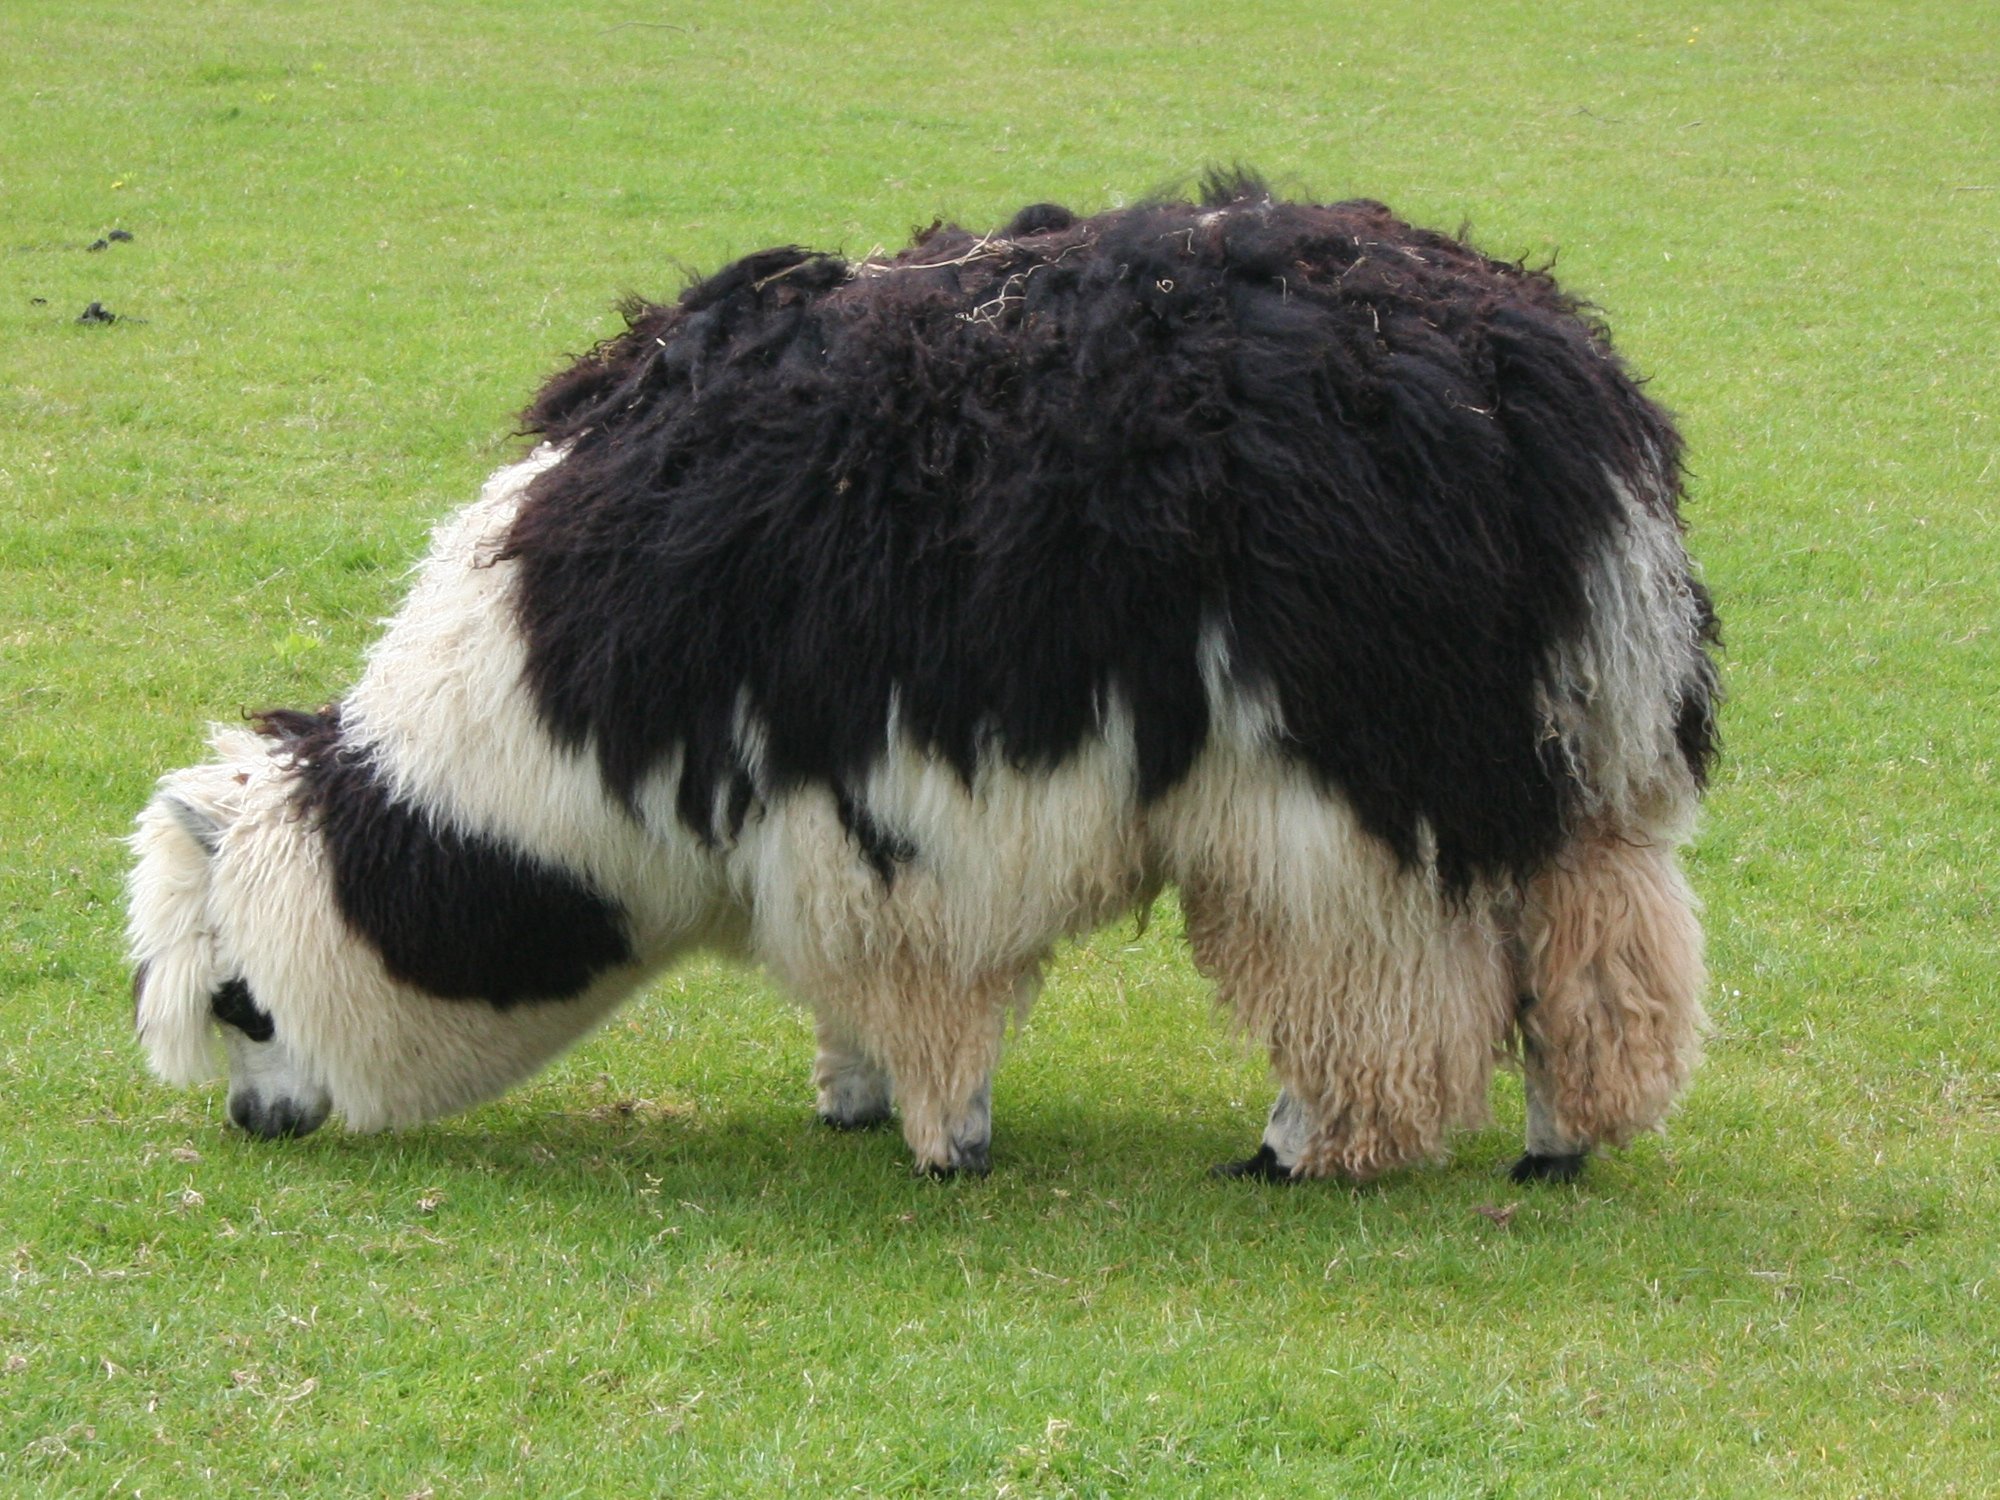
(362, 231)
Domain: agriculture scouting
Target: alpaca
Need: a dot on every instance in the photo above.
(885, 621)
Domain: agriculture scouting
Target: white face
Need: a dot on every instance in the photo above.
(236, 937)
(270, 1093)
(189, 990)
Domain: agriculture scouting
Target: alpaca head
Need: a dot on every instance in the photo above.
(191, 997)
(243, 954)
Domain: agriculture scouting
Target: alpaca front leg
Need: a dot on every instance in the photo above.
(950, 1130)
(852, 1089)
(942, 1046)
(958, 1140)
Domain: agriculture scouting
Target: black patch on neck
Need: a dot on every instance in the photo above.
(233, 1005)
(883, 848)
(460, 916)
(1001, 479)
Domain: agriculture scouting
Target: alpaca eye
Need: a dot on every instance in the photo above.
(233, 1005)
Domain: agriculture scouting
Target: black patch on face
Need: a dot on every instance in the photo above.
(1002, 478)
(462, 917)
(233, 1005)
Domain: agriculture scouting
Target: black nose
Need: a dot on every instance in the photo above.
(278, 1118)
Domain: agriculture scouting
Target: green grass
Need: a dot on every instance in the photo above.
(363, 231)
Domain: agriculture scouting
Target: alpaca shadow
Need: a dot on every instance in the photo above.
(751, 1154)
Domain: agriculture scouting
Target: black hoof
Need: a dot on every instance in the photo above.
(975, 1161)
(859, 1122)
(1536, 1168)
(978, 1166)
(1263, 1167)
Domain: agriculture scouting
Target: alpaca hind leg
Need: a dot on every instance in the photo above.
(1611, 1022)
(1383, 1012)
(1551, 1155)
(1283, 1144)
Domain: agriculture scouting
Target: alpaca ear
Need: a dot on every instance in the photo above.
(202, 824)
(169, 930)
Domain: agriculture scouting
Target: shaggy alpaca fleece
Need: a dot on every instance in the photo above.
(1014, 476)
(886, 620)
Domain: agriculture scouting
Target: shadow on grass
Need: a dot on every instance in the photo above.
(1080, 1189)
(746, 1155)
